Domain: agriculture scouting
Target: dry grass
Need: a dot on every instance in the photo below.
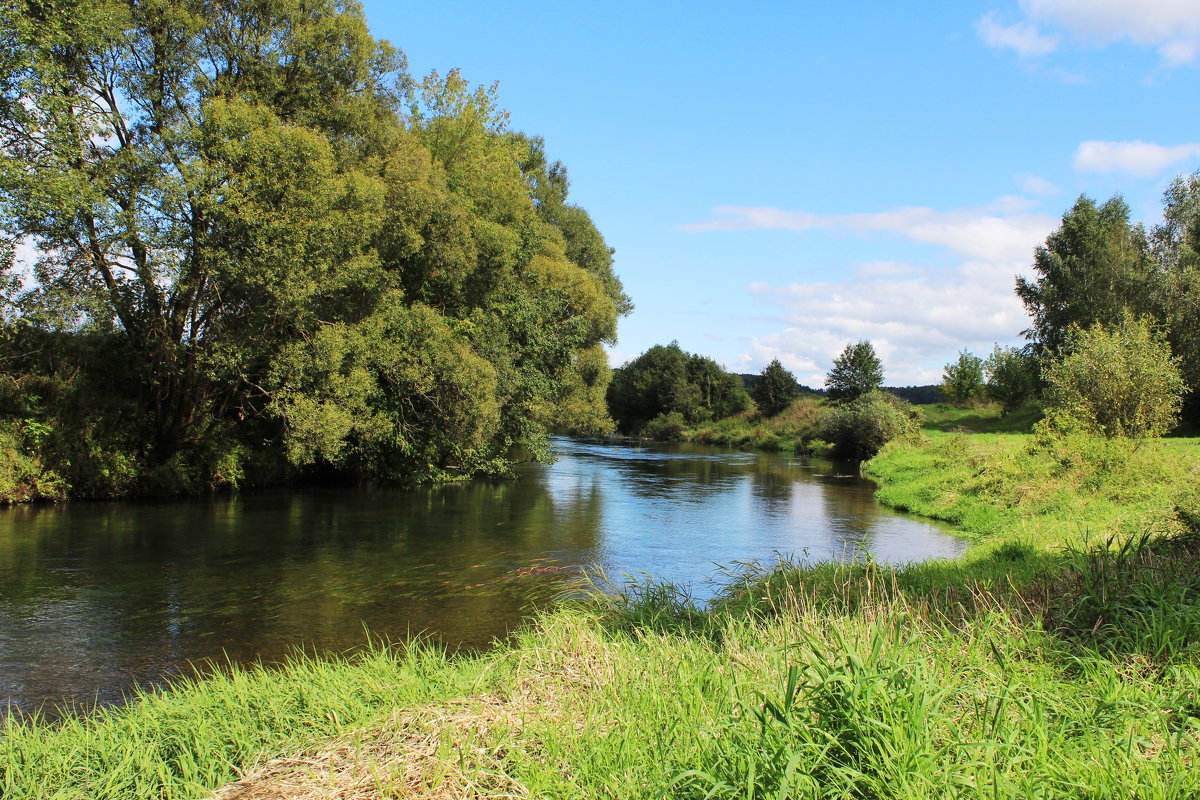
(449, 751)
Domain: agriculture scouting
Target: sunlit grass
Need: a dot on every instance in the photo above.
(982, 417)
(197, 734)
(1060, 658)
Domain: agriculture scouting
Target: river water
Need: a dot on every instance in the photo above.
(98, 597)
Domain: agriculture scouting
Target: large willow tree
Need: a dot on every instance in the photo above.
(261, 243)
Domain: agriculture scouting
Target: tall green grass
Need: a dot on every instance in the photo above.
(198, 733)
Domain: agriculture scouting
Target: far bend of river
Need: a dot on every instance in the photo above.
(97, 597)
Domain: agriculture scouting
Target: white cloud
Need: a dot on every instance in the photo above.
(989, 234)
(1022, 37)
(884, 269)
(619, 359)
(917, 317)
(1172, 27)
(1138, 158)
(1032, 184)
(916, 323)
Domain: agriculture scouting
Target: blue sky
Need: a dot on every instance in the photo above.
(781, 179)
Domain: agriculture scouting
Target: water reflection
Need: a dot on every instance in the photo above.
(95, 597)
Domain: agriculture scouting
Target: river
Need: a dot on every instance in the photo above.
(98, 597)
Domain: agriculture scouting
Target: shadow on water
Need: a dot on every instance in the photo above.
(97, 597)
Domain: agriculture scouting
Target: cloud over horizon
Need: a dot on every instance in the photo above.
(917, 316)
(998, 232)
(916, 322)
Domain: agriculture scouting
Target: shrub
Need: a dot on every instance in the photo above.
(1012, 377)
(1119, 381)
(859, 429)
(962, 381)
(667, 427)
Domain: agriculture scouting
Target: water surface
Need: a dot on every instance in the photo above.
(96, 597)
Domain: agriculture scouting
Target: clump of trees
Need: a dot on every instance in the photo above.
(1098, 268)
(855, 372)
(1012, 377)
(666, 380)
(666, 391)
(1008, 376)
(962, 380)
(859, 428)
(775, 389)
(862, 419)
(265, 249)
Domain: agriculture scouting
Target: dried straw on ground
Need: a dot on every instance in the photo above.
(452, 751)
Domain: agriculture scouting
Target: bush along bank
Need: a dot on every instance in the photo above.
(1060, 658)
(854, 429)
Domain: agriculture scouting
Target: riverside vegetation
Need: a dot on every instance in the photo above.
(264, 252)
(1060, 657)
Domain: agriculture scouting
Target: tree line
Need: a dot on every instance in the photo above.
(1113, 349)
(265, 250)
(666, 391)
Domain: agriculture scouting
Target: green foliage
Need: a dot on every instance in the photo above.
(668, 426)
(23, 477)
(1176, 246)
(792, 430)
(286, 270)
(1097, 265)
(855, 372)
(860, 428)
(1094, 267)
(962, 381)
(1118, 381)
(667, 379)
(1012, 377)
(775, 389)
(399, 394)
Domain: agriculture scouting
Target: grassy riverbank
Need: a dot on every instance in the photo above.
(1024, 669)
(793, 430)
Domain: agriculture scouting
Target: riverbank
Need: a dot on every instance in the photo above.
(1024, 669)
(798, 429)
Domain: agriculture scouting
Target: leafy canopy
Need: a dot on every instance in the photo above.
(1115, 381)
(855, 372)
(962, 380)
(667, 380)
(775, 389)
(1012, 377)
(1094, 267)
(290, 253)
